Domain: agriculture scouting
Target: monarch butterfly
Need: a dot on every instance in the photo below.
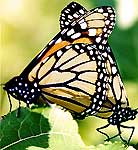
(116, 106)
(77, 70)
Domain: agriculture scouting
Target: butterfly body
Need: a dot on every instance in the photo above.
(24, 90)
(121, 115)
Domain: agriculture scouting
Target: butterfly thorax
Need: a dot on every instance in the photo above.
(22, 89)
(121, 115)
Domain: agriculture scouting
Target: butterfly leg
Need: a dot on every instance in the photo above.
(27, 105)
(9, 102)
(133, 128)
(19, 109)
(119, 134)
(103, 127)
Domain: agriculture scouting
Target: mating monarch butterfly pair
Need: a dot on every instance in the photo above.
(77, 70)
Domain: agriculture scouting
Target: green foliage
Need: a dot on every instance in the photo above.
(30, 128)
(45, 129)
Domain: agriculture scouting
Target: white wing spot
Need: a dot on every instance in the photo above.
(112, 23)
(66, 11)
(107, 22)
(106, 35)
(112, 16)
(92, 32)
(77, 47)
(98, 39)
(105, 14)
(101, 76)
(58, 41)
(114, 70)
(76, 35)
(110, 11)
(100, 10)
(104, 54)
(35, 84)
(111, 60)
(104, 42)
(100, 47)
(25, 96)
(81, 50)
(93, 106)
(68, 47)
(97, 96)
(66, 23)
(105, 29)
(70, 17)
(89, 47)
(59, 53)
(81, 11)
(109, 31)
(70, 32)
(108, 8)
(75, 15)
(99, 89)
(83, 25)
(91, 52)
(32, 91)
(100, 102)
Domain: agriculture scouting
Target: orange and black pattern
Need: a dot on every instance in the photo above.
(77, 70)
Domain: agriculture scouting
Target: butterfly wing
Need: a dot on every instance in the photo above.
(73, 77)
(70, 13)
(96, 25)
(92, 27)
(83, 28)
(100, 21)
(116, 93)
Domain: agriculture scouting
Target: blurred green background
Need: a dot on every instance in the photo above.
(28, 25)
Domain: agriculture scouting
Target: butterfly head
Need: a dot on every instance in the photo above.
(22, 89)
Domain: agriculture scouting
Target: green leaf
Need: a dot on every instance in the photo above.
(39, 129)
(45, 129)
(64, 131)
(30, 128)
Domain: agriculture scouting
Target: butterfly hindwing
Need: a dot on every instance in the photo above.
(116, 93)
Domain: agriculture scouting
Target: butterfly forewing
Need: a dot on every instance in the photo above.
(70, 13)
(90, 27)
(72, 77)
